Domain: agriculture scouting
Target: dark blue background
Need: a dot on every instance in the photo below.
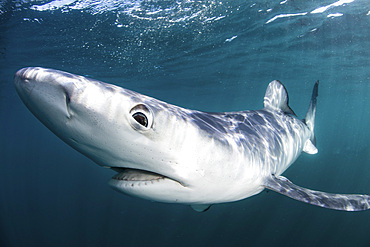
(50, 195)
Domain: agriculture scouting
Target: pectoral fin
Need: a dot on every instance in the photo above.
(200, 207)
(345, 202)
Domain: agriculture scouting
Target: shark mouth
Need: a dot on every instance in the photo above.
(131, 175)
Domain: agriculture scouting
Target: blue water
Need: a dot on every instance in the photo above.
(205, 55)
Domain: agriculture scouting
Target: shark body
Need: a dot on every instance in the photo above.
(166, 153)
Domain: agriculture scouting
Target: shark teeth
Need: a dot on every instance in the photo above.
(136, 175)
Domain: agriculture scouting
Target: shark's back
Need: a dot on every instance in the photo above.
(271, 140)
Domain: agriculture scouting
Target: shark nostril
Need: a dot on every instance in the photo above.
(68, 101)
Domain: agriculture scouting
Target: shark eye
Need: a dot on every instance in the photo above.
(141, 117)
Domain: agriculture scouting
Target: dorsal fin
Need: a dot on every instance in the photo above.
(276, 98)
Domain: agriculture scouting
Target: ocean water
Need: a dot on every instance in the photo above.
(204, 55)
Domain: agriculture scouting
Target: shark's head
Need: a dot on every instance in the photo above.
(151, 144)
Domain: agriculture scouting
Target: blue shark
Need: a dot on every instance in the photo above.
(165, 153)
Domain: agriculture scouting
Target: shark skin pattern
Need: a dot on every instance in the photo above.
(170, 154)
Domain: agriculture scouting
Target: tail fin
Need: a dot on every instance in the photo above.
(310, 145)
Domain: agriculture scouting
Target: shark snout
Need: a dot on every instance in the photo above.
(26, 74)
(21, 75)
(27, 78)
(46, 93)
(22, 80)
